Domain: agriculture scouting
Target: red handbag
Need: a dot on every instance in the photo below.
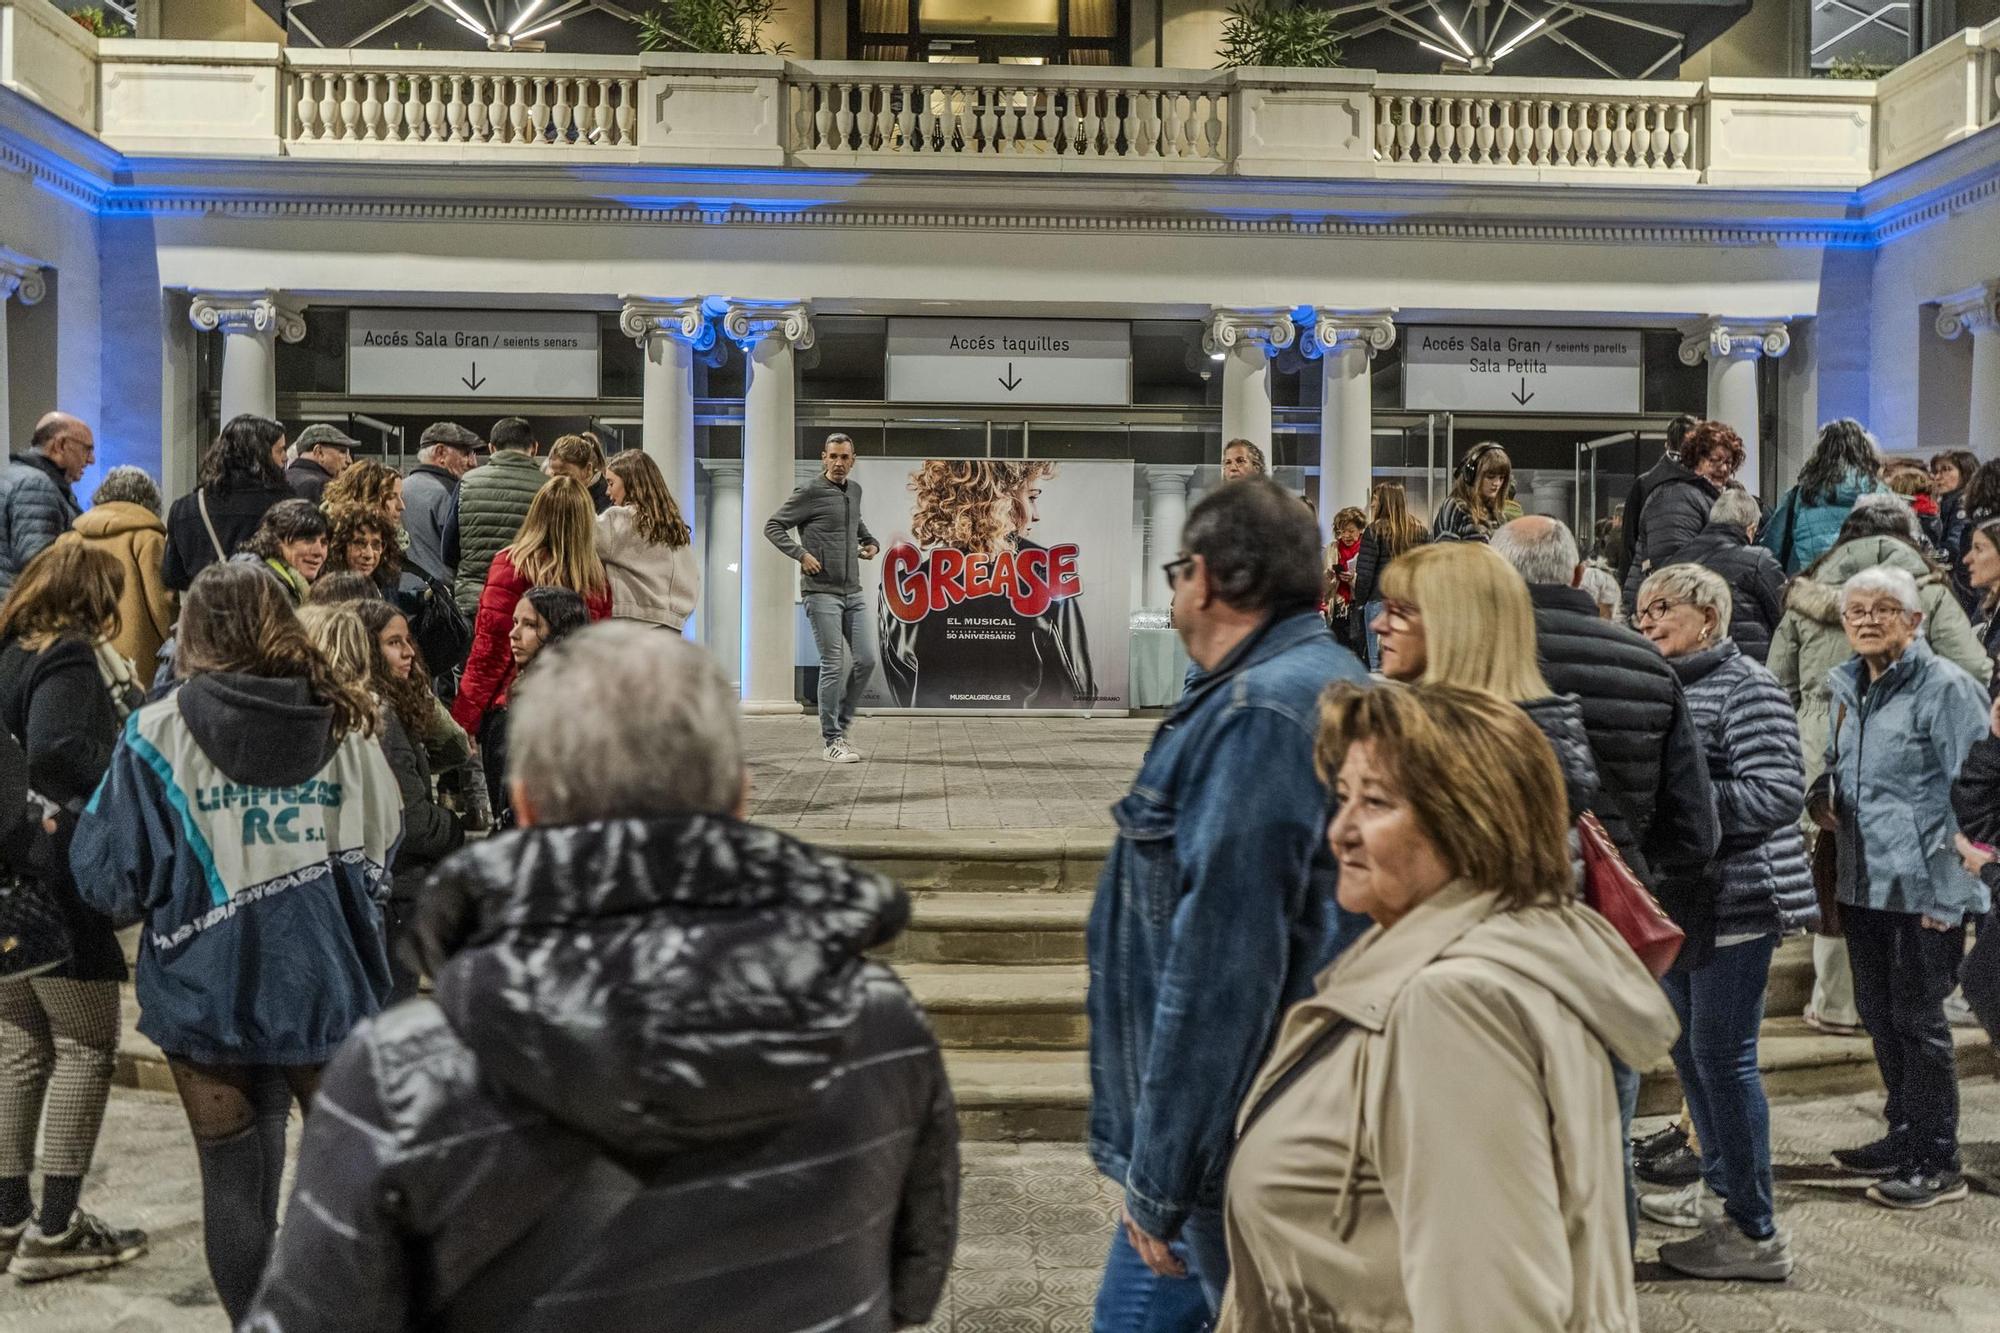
(1615, 893)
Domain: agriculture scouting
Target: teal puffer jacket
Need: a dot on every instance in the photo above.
(492, 501)
(1800, 531)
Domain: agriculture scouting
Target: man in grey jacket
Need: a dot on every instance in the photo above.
(831, 544)
(446, 453)
(36, 502)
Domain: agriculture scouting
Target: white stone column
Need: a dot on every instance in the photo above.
(1166, 516)
(251, 322)
(1733, 347)
(1977, 314)
(768, 331)
(721, 589)
(669, 333)
(1347, 342)
(1246, 340)
(20, 279)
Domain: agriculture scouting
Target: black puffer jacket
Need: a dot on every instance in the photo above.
(1676, 512)
(1756, 584)
(1655, 799)
(430, 832)
(688, 996)
(1560, 719)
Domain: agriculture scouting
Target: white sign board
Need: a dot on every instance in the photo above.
(1506, 368)
(472, 353)
(1059, 361)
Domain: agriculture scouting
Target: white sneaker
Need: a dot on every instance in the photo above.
(852, 748)
(10, 1240)
(1957, 1012)
(1691, 1207)
(838, 753)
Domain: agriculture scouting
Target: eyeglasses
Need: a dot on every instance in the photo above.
(1400, 615)
(1872, 615)
(1171, 566)
(1656, 609)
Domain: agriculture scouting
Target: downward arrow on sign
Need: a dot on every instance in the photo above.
(1009, 383)
(1523, 396)
(474, 382)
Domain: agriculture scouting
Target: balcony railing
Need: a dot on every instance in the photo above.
(255, 100)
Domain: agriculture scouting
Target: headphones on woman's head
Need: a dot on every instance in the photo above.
(1468, 471)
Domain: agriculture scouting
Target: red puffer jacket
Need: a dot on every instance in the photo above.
(489, 671)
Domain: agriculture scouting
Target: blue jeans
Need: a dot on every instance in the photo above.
(846, 656)
(1625, 1080)
(1135, 1299)
(1721, 1006)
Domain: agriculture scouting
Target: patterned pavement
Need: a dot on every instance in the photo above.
(1036, 1220)
(937, 773)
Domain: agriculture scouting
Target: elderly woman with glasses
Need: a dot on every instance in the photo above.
(1761, 890)
(1904, 720)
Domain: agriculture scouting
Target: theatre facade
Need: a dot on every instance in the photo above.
(1086, 276)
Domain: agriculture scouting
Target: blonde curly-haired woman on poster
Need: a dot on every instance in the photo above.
(987, 642)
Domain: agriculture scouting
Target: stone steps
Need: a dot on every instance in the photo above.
(993, 929)
(1041, 1095)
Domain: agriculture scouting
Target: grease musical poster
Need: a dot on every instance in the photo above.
(1002, 584)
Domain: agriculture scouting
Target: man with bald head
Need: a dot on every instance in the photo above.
(36, 502)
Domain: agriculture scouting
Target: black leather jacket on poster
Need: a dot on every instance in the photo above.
(666, 992)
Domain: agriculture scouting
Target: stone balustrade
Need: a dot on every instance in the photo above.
(249, 99)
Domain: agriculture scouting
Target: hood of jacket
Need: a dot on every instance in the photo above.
(667, 984)
(1817, 595)
(1560, 718)
(262, 731)
(116, 517)
(1569, 951)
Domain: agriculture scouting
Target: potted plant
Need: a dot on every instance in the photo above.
(1279, 33)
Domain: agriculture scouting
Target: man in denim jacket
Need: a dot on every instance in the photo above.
(1216, 905)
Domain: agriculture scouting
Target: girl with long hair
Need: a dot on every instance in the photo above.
(1479, 493)
(1981, 568)
(645, 544)
(543, 617)
(1951, 474)
(59, 1028)
(1392, 531)
(557, 546)
(1845, 465)
(290, 545)
(242, 476)
(246, 824)
(369, 642)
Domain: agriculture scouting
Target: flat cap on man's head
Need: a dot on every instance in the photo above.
(451, 435)
(312, 437)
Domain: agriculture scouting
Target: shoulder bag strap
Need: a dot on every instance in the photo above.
(201, 503)
(1791, 533)
(502, 1293)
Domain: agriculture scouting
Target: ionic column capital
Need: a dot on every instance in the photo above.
(1718, 337)
(1975, 311)
(264, 313)
(1231, 326)
(21, 277)
(1168, 481)
(1334, 331)
(643, 319)
(748, 323)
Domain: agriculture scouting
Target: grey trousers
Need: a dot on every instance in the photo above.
(58, 1044)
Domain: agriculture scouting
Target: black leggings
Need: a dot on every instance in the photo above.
(238, 1115)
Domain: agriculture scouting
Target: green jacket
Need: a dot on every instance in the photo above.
(492, 502)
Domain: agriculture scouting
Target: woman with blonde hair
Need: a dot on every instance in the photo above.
(645, 544)
(1458, 614)
(983, 509)
(1479, 496)
(1391, 531)
(557, 546)
(59, 1028)
(1433, 1142)
(366, 484)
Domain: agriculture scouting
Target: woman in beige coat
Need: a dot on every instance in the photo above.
(1433, 1144)
(124, 519)
(645, 544)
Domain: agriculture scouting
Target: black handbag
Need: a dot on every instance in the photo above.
(34, 937)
